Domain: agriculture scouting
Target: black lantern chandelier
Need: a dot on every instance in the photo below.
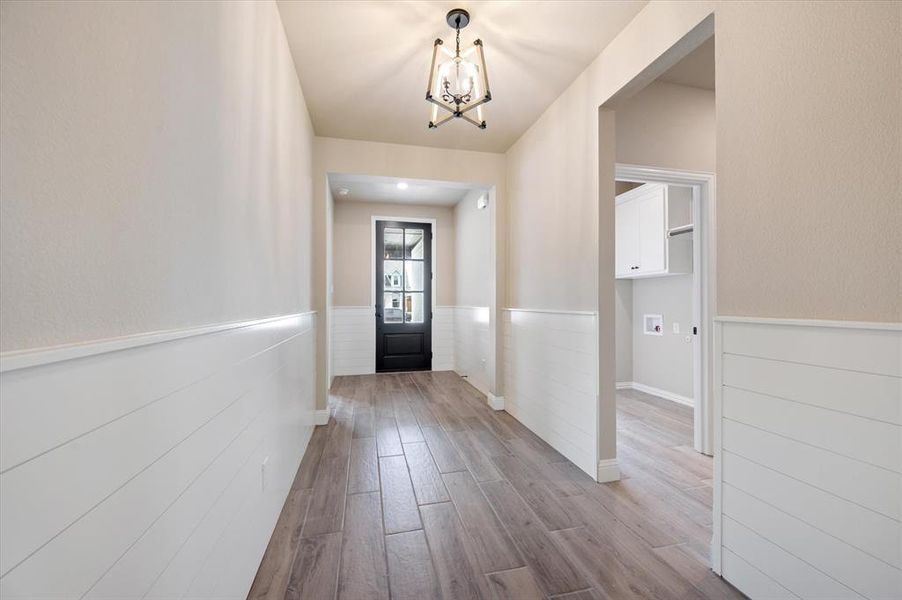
(458, 82)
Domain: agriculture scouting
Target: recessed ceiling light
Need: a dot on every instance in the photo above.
(343, 191)
(402, 185)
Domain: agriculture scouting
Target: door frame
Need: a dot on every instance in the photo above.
(434, 265)
(704, 297)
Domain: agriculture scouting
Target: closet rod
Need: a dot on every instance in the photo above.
(680, 230)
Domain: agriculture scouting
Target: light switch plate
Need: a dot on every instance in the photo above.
(676, 327)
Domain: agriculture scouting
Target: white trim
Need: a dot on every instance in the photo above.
(608, 470)
(321, 417)
(704, 273)
(21, 359)
(812, 323)
(350, 307)
(495, 402)
(717, 504)
(641, 387)
(552, 312)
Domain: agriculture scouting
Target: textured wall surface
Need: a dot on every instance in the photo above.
(156, 164)
(808, 148)
(809, 142)
(352, 249)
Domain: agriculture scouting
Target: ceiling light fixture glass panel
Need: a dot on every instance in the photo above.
(458, 81)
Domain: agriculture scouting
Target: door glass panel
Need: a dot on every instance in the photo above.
(413, 243)
(394, 243)
(413, 275)
(413, 308)
(393, 274)
(392, 309)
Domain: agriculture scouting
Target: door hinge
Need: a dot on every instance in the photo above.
(430, 354)
(430, 314)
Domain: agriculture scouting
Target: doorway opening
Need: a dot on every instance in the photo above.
(657, 159)
(412, 277)
(663, 289)
(403, 295)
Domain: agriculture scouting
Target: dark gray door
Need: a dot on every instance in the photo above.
(403, 296)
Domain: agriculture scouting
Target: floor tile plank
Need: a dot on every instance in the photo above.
(453, 564)
(410, 570)
(516, 584)
(328, 498)
(272, 578)
(427, 481)
(399, 504)
(363, 473)
(388, 441)
(314, 573)
(491, 545)
(363, 571)
(555, 574)
(446, 457)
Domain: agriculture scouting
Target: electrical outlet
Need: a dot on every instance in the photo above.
(263, 474)
(483, 362)
(676, 327)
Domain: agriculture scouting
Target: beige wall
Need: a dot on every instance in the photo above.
(669, 126)
(473, 251)
(352, 249)
(808, 128)
(809, 141)
(155, 165)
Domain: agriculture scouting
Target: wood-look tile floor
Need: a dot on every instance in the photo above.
(416, 489)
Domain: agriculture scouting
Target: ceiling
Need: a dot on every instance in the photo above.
(366, 188)
(364, 64)
(695, 70)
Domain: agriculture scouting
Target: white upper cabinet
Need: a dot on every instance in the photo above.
(643, 216)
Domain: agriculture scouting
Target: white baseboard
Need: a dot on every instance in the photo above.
(641, 387)
(321, 417)
(495, 402)
(608, 470)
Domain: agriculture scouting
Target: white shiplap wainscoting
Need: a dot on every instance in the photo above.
(808, 479)
(471, 343)
(353, 340)
(154, 465)
(443, 336)
(550, 379)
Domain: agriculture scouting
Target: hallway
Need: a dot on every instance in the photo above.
(416, 489)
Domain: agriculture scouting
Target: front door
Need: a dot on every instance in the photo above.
(403, 296)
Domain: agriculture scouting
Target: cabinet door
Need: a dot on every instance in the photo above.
(651, 233)
(626, 238)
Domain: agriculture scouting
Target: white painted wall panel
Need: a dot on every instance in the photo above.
(471, 345)
(550, 379)
(867, 440)
(869, 486)
(353, 340)
(444, 334)
(138, 489)
(810, 458)
(751, 580)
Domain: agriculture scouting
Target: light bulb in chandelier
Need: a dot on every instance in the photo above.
(458, 82)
